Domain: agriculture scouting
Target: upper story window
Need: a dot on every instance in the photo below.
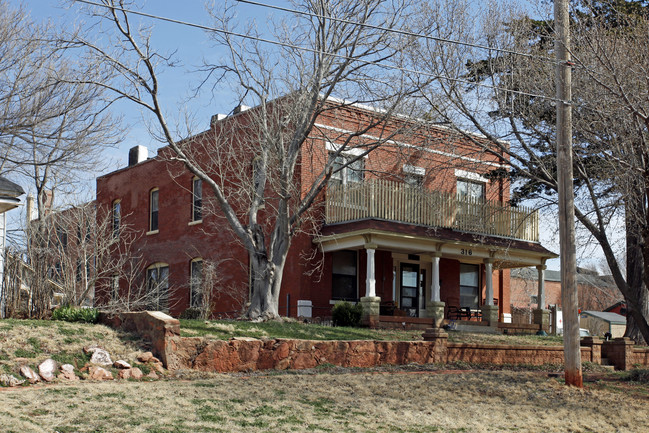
(346, 170)
(470, 190)
(117, 217)
(414, 176)
(153, 210)
(197, 199)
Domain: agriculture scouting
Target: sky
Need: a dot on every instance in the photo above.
(190, 46)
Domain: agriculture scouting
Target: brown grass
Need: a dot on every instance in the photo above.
(388, 401)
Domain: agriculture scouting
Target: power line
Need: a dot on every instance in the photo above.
(312, 50)
(401, 32)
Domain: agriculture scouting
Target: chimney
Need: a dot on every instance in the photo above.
(217, 118)
(137, 154)
(240, 109)
(30, 208)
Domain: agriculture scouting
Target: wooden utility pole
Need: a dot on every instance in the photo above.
(572, 354)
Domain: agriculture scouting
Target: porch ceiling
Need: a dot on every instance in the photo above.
(404, 238)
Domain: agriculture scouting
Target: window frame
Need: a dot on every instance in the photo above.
(158, 269)
(476, 289)
(116, 212)
(197, 200)
(194, 285)
(344, 171)
(154, 214)
(338, 276)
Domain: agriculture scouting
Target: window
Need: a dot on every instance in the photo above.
(534, 299)
(414, 176)
(157, 280)
(114, 287)
(62, 237)
(346, 170)
(470, 190)
(117, 217)
(344, 281)
(195, 283)
(197, 199)
(469, 285)
(153, 210)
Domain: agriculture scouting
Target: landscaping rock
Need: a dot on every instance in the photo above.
(9, 380)
(157, 366)
(145, 357)
(152, 375)
(136, 373)
(100, 357)
(121, 364)
(99, 373)
(67, 372)
(46, 369)
(29, 374)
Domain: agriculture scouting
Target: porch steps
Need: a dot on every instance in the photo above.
(607, 364)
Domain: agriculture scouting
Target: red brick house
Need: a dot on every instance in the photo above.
(418, 223)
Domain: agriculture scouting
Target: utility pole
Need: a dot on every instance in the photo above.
(571, 350)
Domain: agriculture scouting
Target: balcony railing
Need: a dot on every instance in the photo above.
(394, 201)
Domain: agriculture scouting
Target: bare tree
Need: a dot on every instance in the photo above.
(251, 166)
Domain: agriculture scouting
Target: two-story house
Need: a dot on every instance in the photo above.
(419, 222)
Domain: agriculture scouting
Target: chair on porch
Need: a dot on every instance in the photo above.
(456, 313)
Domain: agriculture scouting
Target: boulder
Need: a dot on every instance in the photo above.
(152, 375)
(67, 372)
(46, 369)
(136, 373)
(145, 357)
(99, 373)
(29, 374)
(9, 380)
(100, 357)
(121, 364)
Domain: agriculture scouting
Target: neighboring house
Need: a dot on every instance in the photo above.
(619, 308)
(413, 223)
(601, 322)
(595, 291)
(9, 199)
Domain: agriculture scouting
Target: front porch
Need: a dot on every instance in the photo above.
(425, 275)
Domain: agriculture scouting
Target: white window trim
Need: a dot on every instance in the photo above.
(412, 169)
(469, 175)
(352, 151)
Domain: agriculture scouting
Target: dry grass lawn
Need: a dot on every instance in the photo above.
(330, 401)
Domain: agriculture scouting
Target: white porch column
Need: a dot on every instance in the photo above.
(541, 286)
(488, 267)
(370, 282)
(434, 283)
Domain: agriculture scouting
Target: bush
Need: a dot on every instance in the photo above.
(346, 314)
(76, 314)
(191, 314)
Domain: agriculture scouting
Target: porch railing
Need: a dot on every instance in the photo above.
(399, 202)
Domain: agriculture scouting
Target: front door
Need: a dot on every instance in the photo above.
(410, 288)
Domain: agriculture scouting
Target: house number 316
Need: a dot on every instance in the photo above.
(466, 252)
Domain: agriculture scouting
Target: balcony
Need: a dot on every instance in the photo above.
(398, 202)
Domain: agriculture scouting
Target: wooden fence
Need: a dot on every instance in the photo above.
(399, 202)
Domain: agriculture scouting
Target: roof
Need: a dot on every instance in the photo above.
(10, 189)
(613, 318)
(584, 276)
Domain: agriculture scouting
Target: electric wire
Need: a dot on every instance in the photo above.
(313, 50)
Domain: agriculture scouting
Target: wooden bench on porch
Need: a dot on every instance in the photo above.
(457, 313)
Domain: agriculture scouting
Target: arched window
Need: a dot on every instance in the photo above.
(157, 281)
(196, 283)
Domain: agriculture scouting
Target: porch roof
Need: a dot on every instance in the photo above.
(448, 243)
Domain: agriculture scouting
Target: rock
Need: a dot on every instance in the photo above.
(67, 372)
(124, 373)
(90, 349)
(29, 374)
(9, 380)
(121, 364)
(152, 375)
(99, 373)
(46, 369)
(100, 357)
(145, 357)
(136, 373)
(157, 366)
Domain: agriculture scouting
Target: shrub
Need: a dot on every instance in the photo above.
(638, 375)
(191, 314)
(346, 314)
(76, 314)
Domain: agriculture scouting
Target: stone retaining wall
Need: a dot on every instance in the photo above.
(247, 354)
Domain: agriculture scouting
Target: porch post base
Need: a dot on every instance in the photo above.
(490, 314)
(542, 317)
(435, 311)
(439, 339)
(371, 307)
